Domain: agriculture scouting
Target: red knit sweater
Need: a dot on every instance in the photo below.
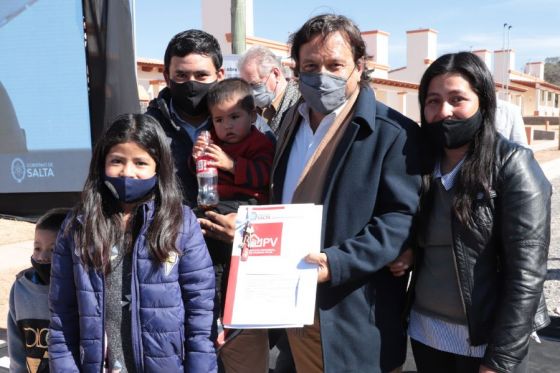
(253, 162)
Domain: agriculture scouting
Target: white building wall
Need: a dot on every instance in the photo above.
(404, 100)
(216, 20)
(393, 99)
(145, 79)
(377, 46)
(535, 69)
(400, 74)
(504, 61)
(421, 51)
(413, 108)
(486, 56)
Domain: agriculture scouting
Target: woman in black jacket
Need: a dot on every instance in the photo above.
(482, 231)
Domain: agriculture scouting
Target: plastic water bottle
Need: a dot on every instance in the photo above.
(207, 177)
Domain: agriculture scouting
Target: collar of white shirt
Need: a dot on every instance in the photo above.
(447, 180)
(303, 147)
(326, 122)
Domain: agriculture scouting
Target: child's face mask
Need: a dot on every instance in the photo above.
(127, 189)
(42, 253)
(130, 172)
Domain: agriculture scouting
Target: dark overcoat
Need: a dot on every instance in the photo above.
(369, 199)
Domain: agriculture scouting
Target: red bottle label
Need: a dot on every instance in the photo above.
(203, 166)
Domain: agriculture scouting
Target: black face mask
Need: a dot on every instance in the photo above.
(452, 133)
(43, 270)
(190, 97)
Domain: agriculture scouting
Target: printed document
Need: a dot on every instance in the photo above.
(270, 285)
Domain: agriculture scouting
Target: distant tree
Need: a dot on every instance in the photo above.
(552, 70)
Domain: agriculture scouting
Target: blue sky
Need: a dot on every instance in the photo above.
(461, 25)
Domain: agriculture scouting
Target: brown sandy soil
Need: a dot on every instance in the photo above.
(12, 231)
(547, 155)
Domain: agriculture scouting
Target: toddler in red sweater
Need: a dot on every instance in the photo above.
(242, 154)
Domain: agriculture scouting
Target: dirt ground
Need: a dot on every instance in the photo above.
(12, 231)
(547, 155)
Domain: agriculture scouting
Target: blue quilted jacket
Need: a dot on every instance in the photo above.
(172, 307)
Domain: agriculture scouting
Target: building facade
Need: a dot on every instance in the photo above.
(397, 87)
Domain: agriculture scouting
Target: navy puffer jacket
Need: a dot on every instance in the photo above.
(172, 306)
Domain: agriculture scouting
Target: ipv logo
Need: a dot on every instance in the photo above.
(266, 239)
(18, 170)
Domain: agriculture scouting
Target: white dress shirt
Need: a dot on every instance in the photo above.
(304, 145)
(509, 122)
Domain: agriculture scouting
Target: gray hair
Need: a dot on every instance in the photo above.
(263, 58)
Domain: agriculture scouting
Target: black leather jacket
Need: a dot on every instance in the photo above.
(501, 260)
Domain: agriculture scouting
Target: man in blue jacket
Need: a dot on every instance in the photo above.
(360, 159)
(192, 65)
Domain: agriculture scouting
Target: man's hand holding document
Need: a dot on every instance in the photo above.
(270, 285)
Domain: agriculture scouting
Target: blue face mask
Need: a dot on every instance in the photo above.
(127, 189)
(322, 92)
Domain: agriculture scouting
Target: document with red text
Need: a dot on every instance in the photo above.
(269, 283)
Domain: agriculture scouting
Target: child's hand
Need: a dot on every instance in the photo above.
(399, 266)
(220, 159)
(199, 146)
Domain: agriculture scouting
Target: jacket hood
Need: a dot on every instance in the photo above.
(161, 104)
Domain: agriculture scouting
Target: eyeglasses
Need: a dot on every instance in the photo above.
(261, 84)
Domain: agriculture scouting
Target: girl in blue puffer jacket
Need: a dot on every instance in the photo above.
(132, 284)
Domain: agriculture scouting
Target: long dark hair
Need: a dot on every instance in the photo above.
(476, 172)
(99, 213)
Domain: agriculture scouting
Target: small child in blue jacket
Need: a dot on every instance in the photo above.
(28, 319)
(132, 283)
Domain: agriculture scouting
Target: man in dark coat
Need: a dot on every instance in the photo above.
(358, 158)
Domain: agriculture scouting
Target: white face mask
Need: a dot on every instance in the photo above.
(322, 92)
(263, 98)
